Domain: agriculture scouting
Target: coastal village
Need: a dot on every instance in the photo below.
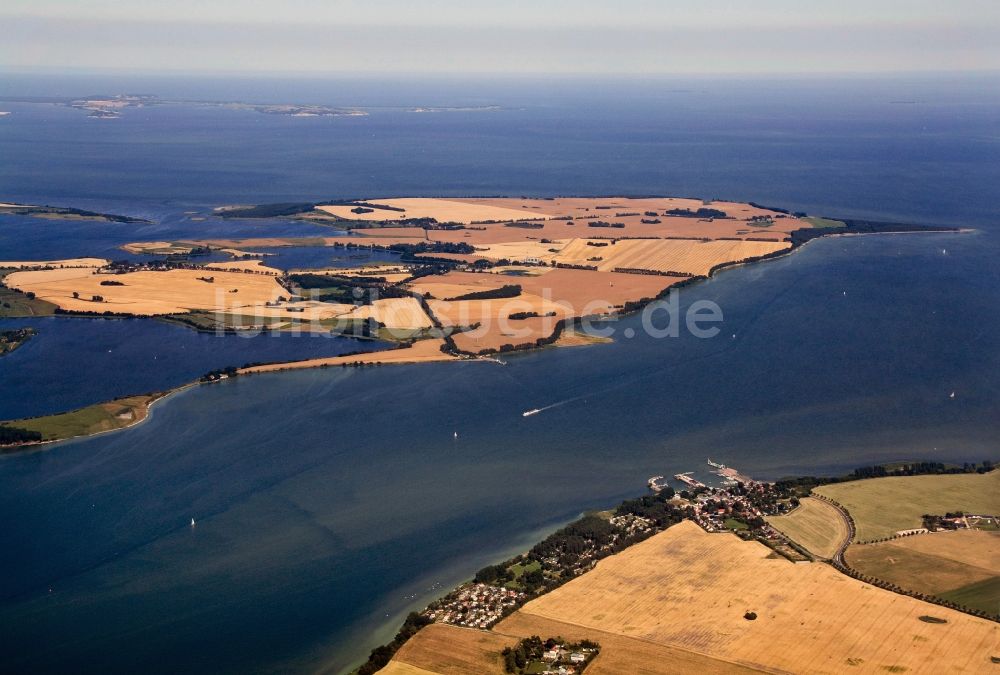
(739, 505)
(750, 537)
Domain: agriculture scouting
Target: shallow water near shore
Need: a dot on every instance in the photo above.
(329, 502)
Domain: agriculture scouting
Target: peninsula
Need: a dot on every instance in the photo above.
(475, 276)
(63, 213)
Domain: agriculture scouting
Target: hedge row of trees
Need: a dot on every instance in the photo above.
(505, 291)
(802, 484)
(702, 212)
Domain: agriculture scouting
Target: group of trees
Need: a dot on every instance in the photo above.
(801, 236)
(657, 508)
(219, 373)
(410, 250)
(516, 659)
(920, 468)
(267, 210)
(702, 212)
(505, 291)
(802, 484)
(380, 656)
(18, 436)
(518, 316)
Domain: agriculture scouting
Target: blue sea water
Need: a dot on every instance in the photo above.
(329, 503)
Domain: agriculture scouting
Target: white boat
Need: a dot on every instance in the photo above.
(192, 522)
(456, 434)
(529, 413)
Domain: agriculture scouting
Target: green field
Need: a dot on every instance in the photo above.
(824, 222)
(14, 303)
(882, 506)
(983, 595)
(212, 321)
(815, 525)
(93, 419)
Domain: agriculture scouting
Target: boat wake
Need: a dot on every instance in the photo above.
(535, 411)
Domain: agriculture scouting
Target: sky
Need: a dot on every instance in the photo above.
(514, 36)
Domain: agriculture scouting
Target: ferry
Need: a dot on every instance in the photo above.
(529, 413)
(716, 464)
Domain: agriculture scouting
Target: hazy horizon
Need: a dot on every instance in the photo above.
(638, 37)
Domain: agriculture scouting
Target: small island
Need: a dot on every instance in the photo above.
(63, 213)
(112, 106)
(12, 339)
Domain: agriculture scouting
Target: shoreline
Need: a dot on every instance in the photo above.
(444, 348)
(47, 212)
(427, 353)
(146, 412)
(698, 521)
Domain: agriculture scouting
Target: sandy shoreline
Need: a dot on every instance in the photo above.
(424, 351)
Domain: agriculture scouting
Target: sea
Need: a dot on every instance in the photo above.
(329, 503)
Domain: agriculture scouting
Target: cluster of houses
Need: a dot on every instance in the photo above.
(563, 660)
(954, 521)
(747, 502)
(627, 525)
(631, 524)
(476, 605)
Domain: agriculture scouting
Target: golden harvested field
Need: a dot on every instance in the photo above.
(396, 313)
(157, 247)
(452, 650)
(400, 668)
(391, 273)
(259, 242)
(254, 265)
(307, 310)
(933, 563)
(520, 250)
(815, 525)
(147, 293)
(496, 328)
(883, 506)
(621, 654)
(567, 292)
(686, 256)
(689, 589)
(401, 313)
(582, 291)
(443, 210)
(421, 351)
(238, 253)
(70, 262)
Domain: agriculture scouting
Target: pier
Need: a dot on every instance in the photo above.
(729, 475)
(688, 480)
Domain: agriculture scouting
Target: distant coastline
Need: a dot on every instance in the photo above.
(63, 213)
